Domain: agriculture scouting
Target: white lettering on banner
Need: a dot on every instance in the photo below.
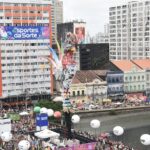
(17, 36)
(26, 30)
(24, 35)
(38, 118)
(43, 118)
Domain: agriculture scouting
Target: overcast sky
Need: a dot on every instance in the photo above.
(94, 12)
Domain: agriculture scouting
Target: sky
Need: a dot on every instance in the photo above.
(94, 12)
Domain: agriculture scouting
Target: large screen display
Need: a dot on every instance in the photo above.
(24, 32)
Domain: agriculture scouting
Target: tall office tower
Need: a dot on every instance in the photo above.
(25, 34)
(57, 17)
(129, 31)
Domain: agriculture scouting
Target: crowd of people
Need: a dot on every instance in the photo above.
(25, 128)
(108, 105)
(103, 142)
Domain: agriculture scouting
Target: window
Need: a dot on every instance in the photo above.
(134, 87)
(134, 78)
(138, 77)
(73, 93)
(143, 86)
(78, 93)
(139, 87)
(130, 78)
(82, 92)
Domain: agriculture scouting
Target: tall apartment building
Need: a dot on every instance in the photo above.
(25, 33)
(57, 17)
(100, 38)
(129, 31)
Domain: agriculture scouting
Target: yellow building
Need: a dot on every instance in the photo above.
(88, 86)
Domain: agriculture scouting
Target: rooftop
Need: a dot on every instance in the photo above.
(126, 65)
(143, 63)
(88, 76)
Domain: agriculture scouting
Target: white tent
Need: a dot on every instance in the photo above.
(24, 113)
(47, 134)
(58, 99)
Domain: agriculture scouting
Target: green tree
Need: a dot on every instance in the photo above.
(56, 106)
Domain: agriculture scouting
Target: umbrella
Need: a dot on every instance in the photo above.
(24, 113)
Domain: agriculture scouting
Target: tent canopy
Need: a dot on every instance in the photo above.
(46, 134)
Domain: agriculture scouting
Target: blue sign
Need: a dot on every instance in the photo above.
(24, 32)
(42, 120)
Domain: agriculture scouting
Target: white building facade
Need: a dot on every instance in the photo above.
(129, 31)
(25, 34)
(57, 17)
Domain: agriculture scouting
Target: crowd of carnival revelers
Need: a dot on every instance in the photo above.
(24, 129)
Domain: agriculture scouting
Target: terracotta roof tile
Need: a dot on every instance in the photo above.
(143, 63)
(125, 65)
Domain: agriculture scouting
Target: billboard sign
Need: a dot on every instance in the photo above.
(80, 34)
(42, 120)
(24, 32)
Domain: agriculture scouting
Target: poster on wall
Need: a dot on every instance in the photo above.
(24, 32)
(80, 34)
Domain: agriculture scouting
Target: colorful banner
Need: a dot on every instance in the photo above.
(87, 146)
(24, 32)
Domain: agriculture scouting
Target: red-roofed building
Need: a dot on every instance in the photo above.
(134, 76)
(145, 65)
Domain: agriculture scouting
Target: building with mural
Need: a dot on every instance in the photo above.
(25, 35)
(78, 28)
